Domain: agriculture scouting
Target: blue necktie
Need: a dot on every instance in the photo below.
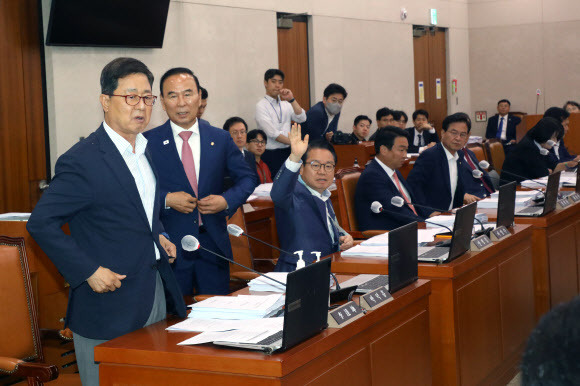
(333, 223)
(499, 129)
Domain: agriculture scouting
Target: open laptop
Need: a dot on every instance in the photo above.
(551, 195)
(403, 264)
(460, 239)
(305, 309)
(506, 204)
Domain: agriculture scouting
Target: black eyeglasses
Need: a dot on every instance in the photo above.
(315, 165)
(133, 100)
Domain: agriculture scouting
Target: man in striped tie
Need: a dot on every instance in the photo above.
(381, 181)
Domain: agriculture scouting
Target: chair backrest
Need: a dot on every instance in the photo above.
(240, 245)
(346, 187)
(20, 337)
(478, 150)
(496, 155)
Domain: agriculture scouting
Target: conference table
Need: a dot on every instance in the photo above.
(481, 308)
(555, 254)
(388, 345)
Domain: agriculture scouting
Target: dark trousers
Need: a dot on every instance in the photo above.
(275, 158)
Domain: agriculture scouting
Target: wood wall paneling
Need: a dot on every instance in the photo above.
(293, 61)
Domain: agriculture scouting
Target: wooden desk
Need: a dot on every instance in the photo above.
(481, 309)
(346, 154)
(556, 255)
(388, 345)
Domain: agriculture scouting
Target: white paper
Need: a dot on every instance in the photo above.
(366, 251)
(14, 216)
(215, 325)
(263, 190)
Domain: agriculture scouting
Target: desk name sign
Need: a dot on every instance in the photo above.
(344, 315)
(563, 203)
(499, 233)
(375, 299)
(480, 243)
(574, 198)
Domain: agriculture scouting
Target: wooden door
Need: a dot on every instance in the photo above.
(23, 161)
(430, 68)
(293, 59)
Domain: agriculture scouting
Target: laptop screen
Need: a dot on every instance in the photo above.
(403, 263)
(306, 308)
(506, 204)
(462, 231)
(552, 192)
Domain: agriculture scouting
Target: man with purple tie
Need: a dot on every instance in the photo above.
(193, 158)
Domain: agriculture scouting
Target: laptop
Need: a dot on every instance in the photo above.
(402, 264)
(506, 204)
(305, 309)
(551, 195)
(460, 239)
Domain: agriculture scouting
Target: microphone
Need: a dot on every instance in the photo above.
(377, 207)
(399, 202)
(191, 244)
(237, 231)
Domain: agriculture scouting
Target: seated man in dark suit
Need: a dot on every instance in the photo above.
(422, 135)
(305, 218)
(322, 118)
(360, 129)
(381, 181)
(502, 125)
(384, 118)
(435, 178)
(238, 129)
(480, 187)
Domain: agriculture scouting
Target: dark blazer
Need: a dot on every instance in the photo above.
(300, 220)
(524, 160)
(95, 193)
(565, 156)
(427, 139)
(429, 179)
(316, 122)
(375, 185)
(251, 161)
(219, 155)
(492, 123)
(471, 184)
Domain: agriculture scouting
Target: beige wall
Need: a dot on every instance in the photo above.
(229, 43)
(518, 46)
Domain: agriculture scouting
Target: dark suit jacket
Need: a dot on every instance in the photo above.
(565, 156)
(316, 122)
(512, 122)
(524, 160)
(429, 179)
(251, 161)
(427, 139)
(471, 184)
(375, 185)
(95, 193)
(300, 221)
(219, 155)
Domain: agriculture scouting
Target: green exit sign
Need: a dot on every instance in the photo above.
(433, 16)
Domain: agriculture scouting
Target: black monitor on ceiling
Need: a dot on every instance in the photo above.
(107, 23)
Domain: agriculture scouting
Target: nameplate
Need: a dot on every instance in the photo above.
(563, 203)
(375, 299)
(344, 315)
(480, 243)
(499, 233)
(574, 198)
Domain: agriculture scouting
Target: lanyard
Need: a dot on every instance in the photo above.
(280, 106)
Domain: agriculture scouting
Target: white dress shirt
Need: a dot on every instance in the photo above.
(390, 172)
(140, 169)
(504, 126)
(193, 143)
(452, 159)
(274, 117)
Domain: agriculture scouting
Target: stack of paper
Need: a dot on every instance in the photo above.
(237, 336)
(449, 220)
(380, 251)
(523, 199)
(263, 284)
(14, 216)
(237, 307)
(203, 325)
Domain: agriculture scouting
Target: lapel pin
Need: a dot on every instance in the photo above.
(166, 142)
(212, 143)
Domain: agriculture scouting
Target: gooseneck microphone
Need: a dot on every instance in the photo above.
(377, 207)
(191, 243)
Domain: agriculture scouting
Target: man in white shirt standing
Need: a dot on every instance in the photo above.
(274, 114)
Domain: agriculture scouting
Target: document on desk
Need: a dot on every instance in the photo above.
(263, 284)
(216, 325)
(263, 190)
(367, 251)
(237, 307)
(423, 235)
(523, 199)
(236, 336)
